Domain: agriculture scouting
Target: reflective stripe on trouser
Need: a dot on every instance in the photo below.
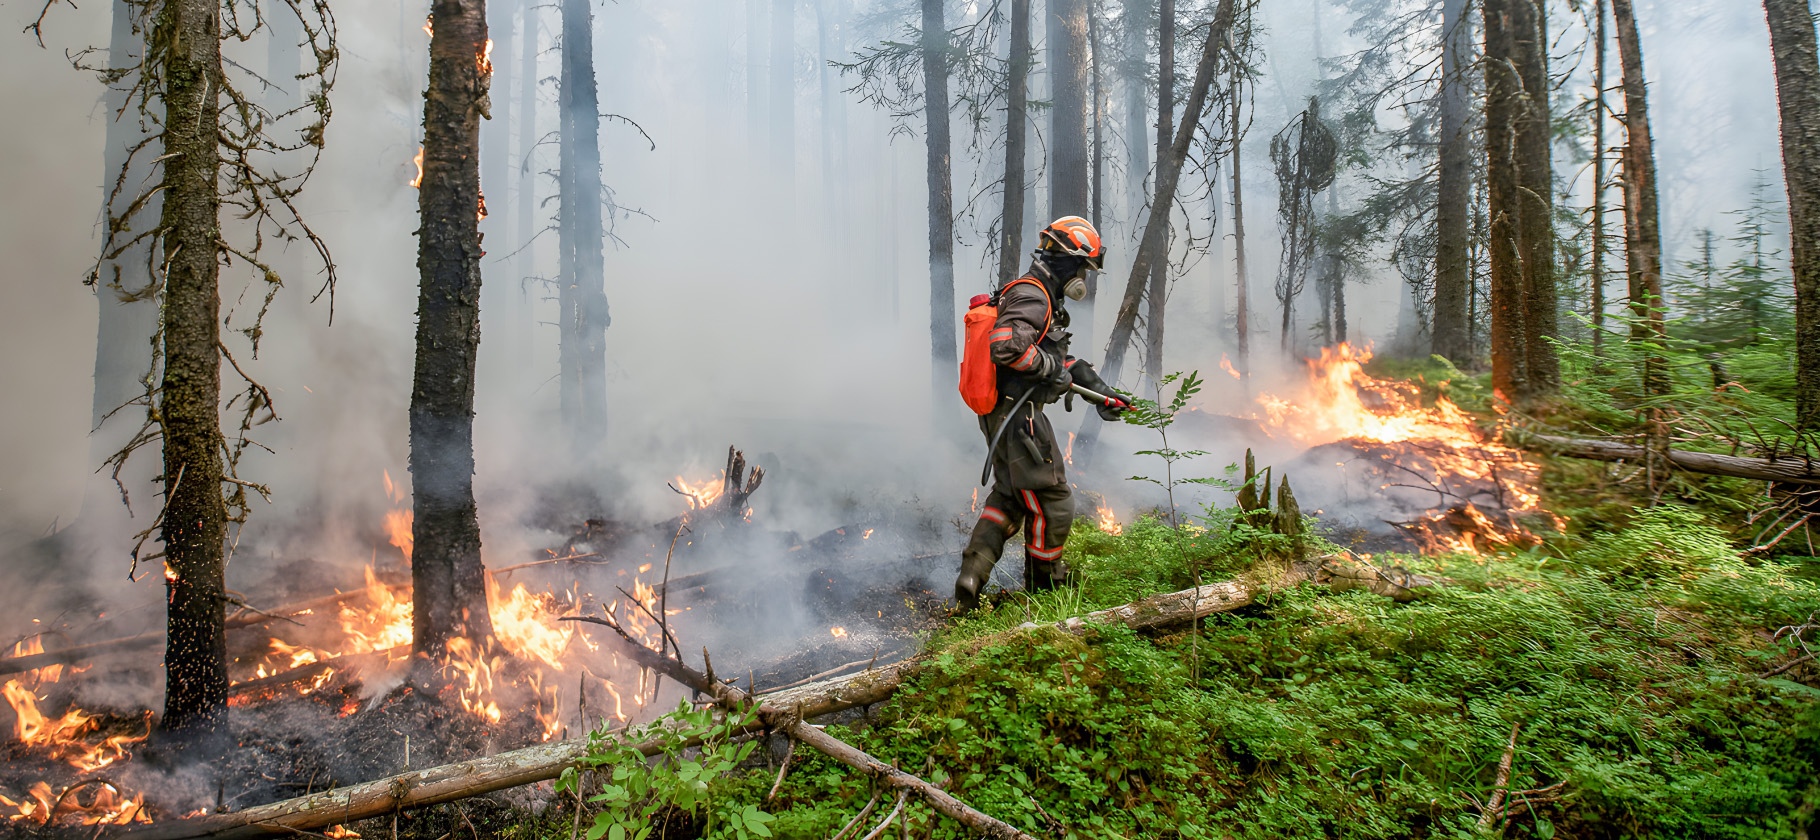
(1048, 514)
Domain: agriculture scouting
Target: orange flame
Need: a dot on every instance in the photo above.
(69, 737)
(485, 60)
(1226, 365)
(1109, 522)
(703, 493)
(838, 632)
(418, 162)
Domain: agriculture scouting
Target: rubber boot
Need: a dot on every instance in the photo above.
(1044, 575)
(976, 569)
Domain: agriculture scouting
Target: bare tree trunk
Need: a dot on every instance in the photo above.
(1536, 206)
(1791, 30)
(1242, 297)
(783, 107)
(1598, 193)
(1503, 93)
(1070, 171)
(1011, 250)
(128, 313)
(586, 313)
(194, 528)
(1453, 209)
(1169, 170)
(1336, 274)
(449, 583)
(943, 357)
(1136, 59)
(1642, 232)
(1083, 320)
(1165, 130)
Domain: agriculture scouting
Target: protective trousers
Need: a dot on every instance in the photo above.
(1029, 492)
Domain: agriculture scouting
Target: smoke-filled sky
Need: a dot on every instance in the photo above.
(789, 319)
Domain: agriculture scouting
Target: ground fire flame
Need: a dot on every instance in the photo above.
(1439, 446)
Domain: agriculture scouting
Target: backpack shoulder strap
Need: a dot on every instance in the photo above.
(1048, 309)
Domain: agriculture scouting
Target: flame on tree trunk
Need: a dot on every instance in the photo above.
(583, 296)
(1016, 98)
(1791, 32)
(449, 598)
(1642, 231)
(944, 360)
(194, 529)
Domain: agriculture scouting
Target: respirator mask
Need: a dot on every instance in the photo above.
(1075, 288)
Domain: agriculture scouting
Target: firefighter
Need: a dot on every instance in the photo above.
(1029, 346)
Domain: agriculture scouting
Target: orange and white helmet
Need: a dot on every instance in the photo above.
(1075, 235)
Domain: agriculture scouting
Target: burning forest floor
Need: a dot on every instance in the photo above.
(1558, 681)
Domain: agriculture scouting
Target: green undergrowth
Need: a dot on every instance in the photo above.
(1634, 669)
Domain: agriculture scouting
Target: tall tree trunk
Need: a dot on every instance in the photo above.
(943, 357)
(1069, 169)
(1336, 275)
(1453, 208)
(1503, 95)
(1791, 31)
(128, 313)
(1536, 185)
(1083, 321)
(194, 529)
(1642, 232)
(1011, 248)
(783, 106)
(1169, 170)
(449, 597)
(1598, 193)
(1136, 60)
(1242, 296)
(585, 313)
(1165, 131)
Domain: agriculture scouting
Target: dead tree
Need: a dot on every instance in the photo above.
(583, 294)
(1017, 90)
(944, 357)
(1158, 295)
(1642, 230)
(1155, 239)
(1798, 93)
(1789, 470)
(1242, 277)
(450, 598)
(1304, 154)
(1598, 191)
(195, 514)
(1453, 206)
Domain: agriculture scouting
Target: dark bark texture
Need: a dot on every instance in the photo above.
(1642, 227)
(944, 359)
(585, 316)
(1503, 97)
(1791, 30)
(1069, 168)
(1011, 240)
(1536, 207)
(449, 598)
(1453, 209)
(195, 515)
(1158, 294)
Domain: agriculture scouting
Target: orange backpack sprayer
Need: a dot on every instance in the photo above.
(979, 376)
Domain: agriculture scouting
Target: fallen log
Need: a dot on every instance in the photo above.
(155, 640)
(1784, 470)
(547, 761)
(736, 701)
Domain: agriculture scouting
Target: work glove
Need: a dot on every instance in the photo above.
(1084, 375)
(1052, 376)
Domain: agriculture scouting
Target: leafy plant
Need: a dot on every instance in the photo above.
(1157, 416)
(639, 791)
